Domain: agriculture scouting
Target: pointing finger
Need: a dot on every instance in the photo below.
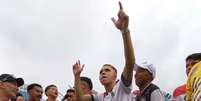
(120, 6)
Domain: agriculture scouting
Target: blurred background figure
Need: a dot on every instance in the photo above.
(35, 92)
(70, 95)
(51, 92)
(9, 86)
(19, 97)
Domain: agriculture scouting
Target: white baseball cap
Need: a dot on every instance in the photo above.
(147, 66)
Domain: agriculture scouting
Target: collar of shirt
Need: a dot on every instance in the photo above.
(142, 91)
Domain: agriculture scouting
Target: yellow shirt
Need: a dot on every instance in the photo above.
(193, 87)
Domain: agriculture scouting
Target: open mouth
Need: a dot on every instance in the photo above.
(39, 97)
(104, 77)
(56, 93)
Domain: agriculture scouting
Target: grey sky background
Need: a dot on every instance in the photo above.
(41, 39)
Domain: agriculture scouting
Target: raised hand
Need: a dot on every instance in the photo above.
(77, 68)
(123, 19)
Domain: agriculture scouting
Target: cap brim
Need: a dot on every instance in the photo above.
(19, 81)
(136, 66)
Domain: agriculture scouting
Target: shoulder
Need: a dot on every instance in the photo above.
(98, 97)
(195, 70)
(153, 87)
(154, 90)
(120, 86)
(157, 95)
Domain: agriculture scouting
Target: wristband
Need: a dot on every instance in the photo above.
(125, 30)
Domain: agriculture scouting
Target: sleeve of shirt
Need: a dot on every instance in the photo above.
(98, 97)
(156, 95)
(124, 87)
(194, 83)
(197, 89)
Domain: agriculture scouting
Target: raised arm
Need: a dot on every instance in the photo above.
(122, 25)
(77, 69)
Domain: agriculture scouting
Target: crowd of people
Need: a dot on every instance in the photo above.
(115, 89)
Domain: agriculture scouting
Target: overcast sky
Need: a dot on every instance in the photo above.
(41, 39)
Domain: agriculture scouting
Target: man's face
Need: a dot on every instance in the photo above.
(142, 76)
(53, 92)
(189, 64)
(71, 96)
(36, 93)
(10, 88)
(107, 75)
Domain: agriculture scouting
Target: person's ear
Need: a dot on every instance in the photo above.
(2, 85)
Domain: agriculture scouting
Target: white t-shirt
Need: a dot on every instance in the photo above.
(119, 93)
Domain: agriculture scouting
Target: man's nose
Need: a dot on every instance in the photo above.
(103, 72)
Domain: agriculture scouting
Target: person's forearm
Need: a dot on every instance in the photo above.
(128, 49)
(129, 57)
(78, 91)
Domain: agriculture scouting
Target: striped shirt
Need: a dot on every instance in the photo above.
(193, 89)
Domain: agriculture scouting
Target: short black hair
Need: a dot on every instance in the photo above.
(111, 67)
(48, 87)
(19, 94)
(70, 90)
(194, 56)
(31, 86)
(88, 81)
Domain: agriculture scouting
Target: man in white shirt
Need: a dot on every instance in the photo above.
(115, 90)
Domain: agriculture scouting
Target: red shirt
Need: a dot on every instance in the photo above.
(179, 90)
